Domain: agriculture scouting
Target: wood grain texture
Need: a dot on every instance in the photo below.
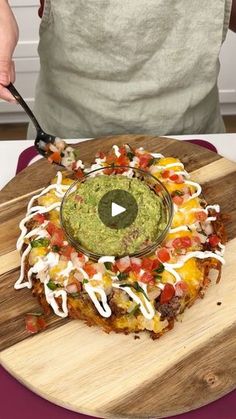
(113, 375)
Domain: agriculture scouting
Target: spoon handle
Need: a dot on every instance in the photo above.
(24, 105)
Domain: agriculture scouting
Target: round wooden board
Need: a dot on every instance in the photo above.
(88, 371)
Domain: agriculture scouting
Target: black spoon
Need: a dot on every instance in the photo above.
(42, 136)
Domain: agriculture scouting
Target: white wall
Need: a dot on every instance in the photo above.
(227, 79)
(27, 63)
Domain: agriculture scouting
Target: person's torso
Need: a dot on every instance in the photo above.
(110, 66)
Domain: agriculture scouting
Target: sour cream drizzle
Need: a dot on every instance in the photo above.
(116, 150)
(157, 155)
(18, 285)
(195, 185)
(50, 297)
(197, 254)
(103, 309)
(60, 190)
(182, 228)
(147, 308)
(38, 210)
(206, 210)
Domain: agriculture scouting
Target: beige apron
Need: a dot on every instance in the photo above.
(130, 66)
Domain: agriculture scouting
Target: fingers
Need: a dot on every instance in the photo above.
(6, 95)
(13, 74)
(7, 74)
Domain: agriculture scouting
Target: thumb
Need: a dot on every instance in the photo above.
(5, 72)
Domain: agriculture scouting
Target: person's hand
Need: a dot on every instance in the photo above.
(9, 35)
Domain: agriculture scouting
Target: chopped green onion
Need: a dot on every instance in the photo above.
(108, 265)
(76, 153)
(158, 277)
(85, 281)
(130, 155)
(51, 285)
(42, 242)
(122, 275)
(160, 269)
(151, 162)
(177, 193)
(55, 248)
(135, 309)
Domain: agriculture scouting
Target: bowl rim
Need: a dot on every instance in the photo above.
(145, 251)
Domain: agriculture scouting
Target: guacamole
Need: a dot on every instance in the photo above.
(81, 217)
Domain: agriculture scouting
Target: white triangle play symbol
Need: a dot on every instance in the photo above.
(116, 209)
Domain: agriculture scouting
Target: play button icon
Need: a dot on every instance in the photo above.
(117, 209)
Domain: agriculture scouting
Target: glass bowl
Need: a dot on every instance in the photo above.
(149, 180)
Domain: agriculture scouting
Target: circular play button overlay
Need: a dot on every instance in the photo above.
(117, 209)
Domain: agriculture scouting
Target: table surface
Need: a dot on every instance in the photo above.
(19, 402)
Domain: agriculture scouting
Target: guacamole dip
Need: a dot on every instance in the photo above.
(81, 217)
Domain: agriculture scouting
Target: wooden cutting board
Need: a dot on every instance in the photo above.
(111, 376)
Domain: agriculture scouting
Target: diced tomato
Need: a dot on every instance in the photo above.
(201, 216)
(146, 277)
(135, 268)
(144, 160)
(186, 242)
(123, 264)
(56, 233)
(178, 200)
(214, 240)
(135, 264)
(165, 174)
(177, 178)
(51, 228)
(40, 218)
(66, 251)
(34, 323)
(55, 157)
(182, 242)
(181, 288)
(147, 264)
(111, 158)
(108, 171)
(100, 155)
(89, 269)
(174, 177)
(155, 264)
(122, 161)
(177, 243)
(167, 293)
(122, 150)
(163, 255)
(79, 173)
(57, 238)
(119, 170)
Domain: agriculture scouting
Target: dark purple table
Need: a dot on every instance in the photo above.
(17, 402)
